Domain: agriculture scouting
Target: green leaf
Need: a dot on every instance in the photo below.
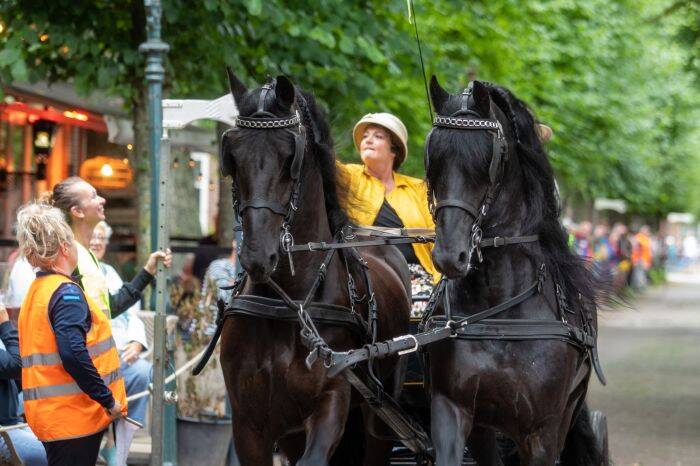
(19, 71)
(9, 56)
(254, 7)
(322, 36)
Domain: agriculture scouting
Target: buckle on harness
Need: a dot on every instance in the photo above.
(407, 337)
(498, 241)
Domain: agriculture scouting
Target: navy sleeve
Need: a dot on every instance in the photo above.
(129, 294)
(70, 319)
(10, 361)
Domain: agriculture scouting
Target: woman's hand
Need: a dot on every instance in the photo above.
(4, 316)
(166, 257)
(116, 411)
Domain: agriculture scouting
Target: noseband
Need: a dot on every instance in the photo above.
(468, 120)
(264, 120)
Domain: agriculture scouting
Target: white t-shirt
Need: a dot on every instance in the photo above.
(21, 277)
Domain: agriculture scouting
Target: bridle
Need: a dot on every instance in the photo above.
(264, 120)
(468, 120)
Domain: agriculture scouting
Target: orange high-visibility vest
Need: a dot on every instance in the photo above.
(55, 407)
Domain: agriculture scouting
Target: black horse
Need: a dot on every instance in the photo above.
(282, 165)
(490, 177)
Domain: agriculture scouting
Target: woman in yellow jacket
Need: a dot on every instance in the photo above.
(73, 388)
(376, 194)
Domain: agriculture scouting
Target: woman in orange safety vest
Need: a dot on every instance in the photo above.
(72, 385)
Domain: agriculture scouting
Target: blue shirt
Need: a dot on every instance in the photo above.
(10, 370)
(70, 319)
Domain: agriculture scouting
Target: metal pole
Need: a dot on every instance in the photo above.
(154, 49)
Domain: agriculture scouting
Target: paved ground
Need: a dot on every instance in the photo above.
(651, 355)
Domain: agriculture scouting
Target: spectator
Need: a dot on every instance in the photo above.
(28, 447)
(130, 338)
(221, 273)
(21, 276)
(582, 239)
(66, 347)
(641, 258)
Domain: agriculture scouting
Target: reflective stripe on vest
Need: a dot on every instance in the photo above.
(51, 359)
(71, 388)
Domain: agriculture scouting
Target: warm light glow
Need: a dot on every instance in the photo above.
(65, 49)
(130, 146)
(75, 115)
(44, 37)
(126, 161)
(106, 170)
(32, 119)
(2, 27)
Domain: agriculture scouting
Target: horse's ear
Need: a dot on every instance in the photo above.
(284, 91)
(238, 89)
(481, 99)
(438, 95)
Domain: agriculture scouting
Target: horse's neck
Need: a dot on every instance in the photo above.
(505, 271)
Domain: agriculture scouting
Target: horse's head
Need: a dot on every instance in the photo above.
(263, 155)
(465, 156)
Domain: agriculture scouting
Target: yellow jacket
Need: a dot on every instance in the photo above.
(362, 196)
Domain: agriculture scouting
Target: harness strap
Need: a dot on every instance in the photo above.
(458, 203)
(274, 206)
(277, 309)
(499, 241)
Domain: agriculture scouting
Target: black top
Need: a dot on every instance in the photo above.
(387, 217)
(10, 371)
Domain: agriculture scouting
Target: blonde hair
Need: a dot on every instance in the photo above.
(41, 230)
(63, 195)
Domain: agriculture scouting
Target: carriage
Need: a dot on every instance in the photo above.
(320, 357)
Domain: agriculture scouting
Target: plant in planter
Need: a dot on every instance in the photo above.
(203, 425)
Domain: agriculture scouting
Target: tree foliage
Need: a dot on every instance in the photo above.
(617, 81)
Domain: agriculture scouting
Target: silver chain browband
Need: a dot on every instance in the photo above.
(466, 123)
(267, 123)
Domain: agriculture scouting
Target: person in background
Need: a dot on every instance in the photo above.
(582, 239)
(73, 388)
(641, 258)
(130, 338)
(21, 277)
(28, 447)
(221, 273)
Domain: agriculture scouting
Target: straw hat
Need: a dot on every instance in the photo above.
(389, 122)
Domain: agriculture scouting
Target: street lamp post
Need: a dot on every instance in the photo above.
(155, 49)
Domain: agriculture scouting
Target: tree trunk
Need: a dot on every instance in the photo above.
(142, 166)
(224, 220)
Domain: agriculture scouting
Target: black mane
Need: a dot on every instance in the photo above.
(542, 200)
(319, 145)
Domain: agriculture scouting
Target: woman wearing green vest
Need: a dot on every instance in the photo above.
(84, 209)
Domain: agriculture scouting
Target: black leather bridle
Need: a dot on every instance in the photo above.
(468, 120)
(264, 120)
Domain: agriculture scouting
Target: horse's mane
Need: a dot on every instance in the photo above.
(322, 150)
(542, 202)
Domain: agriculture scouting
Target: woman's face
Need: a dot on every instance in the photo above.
(91, 207)
(375, 146)
(98, 243)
